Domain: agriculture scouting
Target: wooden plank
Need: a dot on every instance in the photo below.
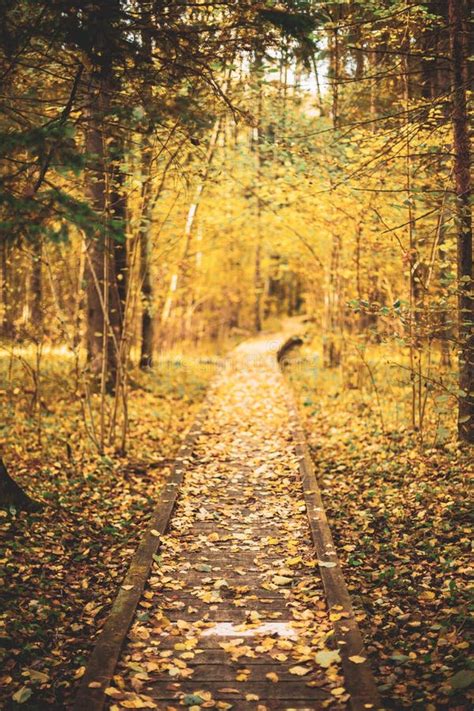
(237, 527)
(221, 670)
(188, 593)
(216, 655)
(227, 601)
(105, 655)
(235, 615)
(266, 690)
(207, 643)
(254, 583)
(266, 606)
(359, 680)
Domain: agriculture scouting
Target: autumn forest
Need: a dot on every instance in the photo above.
(236, 354)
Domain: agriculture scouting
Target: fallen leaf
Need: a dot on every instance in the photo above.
(22, 695)
(327, 657)
(357, 659)
(299, 670)
(463, 679)
(203, 568)
(281, 580)
(192, 700)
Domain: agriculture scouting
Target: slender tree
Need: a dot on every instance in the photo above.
(458, 32)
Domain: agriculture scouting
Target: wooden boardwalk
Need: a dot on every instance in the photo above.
(234, 613)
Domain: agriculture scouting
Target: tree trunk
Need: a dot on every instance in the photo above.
(146, 355)
(188, 228)
(458, 10)
(334, 70)
(257, 142)
(319, 95)
(107, 259)
(37, 284)
(13, 495)
(445, 319)
(96, 263)
(6, 323)
(118, 218)
(331, 344)
(118, 265)
(147, 330)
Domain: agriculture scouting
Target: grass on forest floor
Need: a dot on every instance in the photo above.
(399, 513)
(61, 567)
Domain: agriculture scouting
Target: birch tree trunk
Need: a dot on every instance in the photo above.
(188, 227)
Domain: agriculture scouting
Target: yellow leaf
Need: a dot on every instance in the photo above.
(22, 695)
(36, 675)
(281, 580)
(300, 671)
(294, 561)
(357, 659)
(113, 692)
(427, 595)
(327, 657)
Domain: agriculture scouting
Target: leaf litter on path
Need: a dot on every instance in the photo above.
(235, 612)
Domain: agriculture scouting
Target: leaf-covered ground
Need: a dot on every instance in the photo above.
(61, 567)
(399, 514)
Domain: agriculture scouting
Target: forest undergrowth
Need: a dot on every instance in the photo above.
(62, 566)
(178, 173)
(399, 514)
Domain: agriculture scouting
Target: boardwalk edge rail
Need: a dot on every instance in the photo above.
(359, 680)
(106, 652)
